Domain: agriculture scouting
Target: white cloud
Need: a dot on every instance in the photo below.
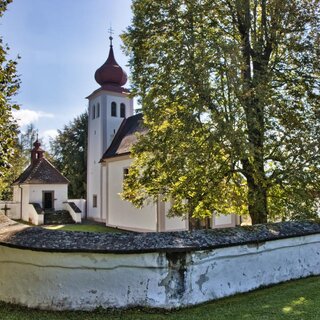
(47, 135)
(27, 116)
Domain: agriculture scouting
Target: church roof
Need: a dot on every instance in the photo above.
(125, 137)
(41, 171)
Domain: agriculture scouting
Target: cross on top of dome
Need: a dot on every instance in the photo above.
(110, 73)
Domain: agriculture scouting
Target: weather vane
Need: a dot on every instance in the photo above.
(110, 30)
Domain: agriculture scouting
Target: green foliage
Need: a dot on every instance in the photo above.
(9, 85)
(230, 96)
(19, 162)
(17, 165)
(69, 152)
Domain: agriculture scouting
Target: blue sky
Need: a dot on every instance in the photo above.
(61, 44)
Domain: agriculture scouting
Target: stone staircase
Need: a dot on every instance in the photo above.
(58, 217)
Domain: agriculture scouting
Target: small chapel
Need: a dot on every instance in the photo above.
(40, 188)
(112, 129)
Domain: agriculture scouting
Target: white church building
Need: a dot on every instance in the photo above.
(111, 132)
(40, 193)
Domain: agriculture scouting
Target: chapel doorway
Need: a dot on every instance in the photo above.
(47, 199)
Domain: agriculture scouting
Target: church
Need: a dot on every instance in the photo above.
(41, 190)
(111, 132)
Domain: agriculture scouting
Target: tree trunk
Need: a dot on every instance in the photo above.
(253, 74)
(257, 203)
(257, 191)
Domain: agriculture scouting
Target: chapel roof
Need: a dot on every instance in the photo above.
(125, 137)
(41, 171)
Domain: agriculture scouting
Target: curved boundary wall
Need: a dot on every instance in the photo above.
(49, 279)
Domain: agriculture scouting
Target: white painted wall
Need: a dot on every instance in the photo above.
(76, 216)
(101, 131)
(81, 204)
(122, 213)
(174, 223)
(14, 212)
(33, 193)
(60, 193)
(34, 217)
(26, 207)
(85, 281)
(16, 193)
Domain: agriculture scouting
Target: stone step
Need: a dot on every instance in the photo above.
(58, 217)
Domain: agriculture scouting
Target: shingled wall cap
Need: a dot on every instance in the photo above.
(110, 73)
(13, 234)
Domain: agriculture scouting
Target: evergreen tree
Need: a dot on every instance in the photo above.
(69, 152)
(230, 95)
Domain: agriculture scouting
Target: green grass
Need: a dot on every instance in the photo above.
(84, 227)
(294, 300)
(87, 226)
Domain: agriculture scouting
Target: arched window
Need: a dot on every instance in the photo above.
(122, 110)
(113, 109)
(93, 111)
(98, 111)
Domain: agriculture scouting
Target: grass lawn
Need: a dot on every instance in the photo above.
(294, 300)
(87, 226)
(84, 227)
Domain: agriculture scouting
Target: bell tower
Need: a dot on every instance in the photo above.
(108, 106)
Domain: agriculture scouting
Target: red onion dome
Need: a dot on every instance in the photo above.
(110, 72)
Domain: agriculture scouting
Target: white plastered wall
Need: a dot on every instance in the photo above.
(86, 281)
(60, 194)
(174, 223)
(122, 213)
(224, 221)
(95, 150)
(25, 214)
(101, 131)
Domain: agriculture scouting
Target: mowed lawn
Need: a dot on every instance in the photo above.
(294, 300)
(84, 227)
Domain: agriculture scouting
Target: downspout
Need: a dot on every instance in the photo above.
(21, 195)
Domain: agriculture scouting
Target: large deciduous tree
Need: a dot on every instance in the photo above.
(69, 152)
(9, 85)
(230, 95)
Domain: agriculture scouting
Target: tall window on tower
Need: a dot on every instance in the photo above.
(93, 112)
(98, 111)
(122, 110)
(113, 109)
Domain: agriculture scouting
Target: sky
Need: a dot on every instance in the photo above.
(61, 43)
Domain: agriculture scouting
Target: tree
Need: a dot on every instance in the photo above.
(9, 85)
(26, 142)
(17, 165)
(69, 151)
(19, 162)
(230, 95)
